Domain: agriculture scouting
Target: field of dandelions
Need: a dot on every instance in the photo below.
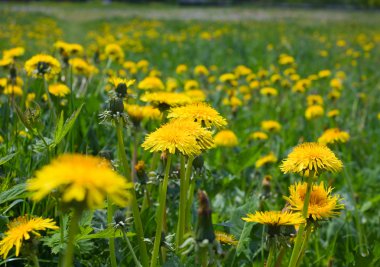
(139, 142)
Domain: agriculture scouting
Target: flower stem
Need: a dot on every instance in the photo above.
(138, 264)
(203, 256)
(299, 239)
(161, 213)
(271, 255)
(184, 188)
(304, 244)
(35, 260)
(110, 213)
(135, 209)
(73, 230)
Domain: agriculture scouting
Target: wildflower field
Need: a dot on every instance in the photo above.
(202, 141)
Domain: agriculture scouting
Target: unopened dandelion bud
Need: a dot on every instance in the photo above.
(204, 230)
(198, 162)
(116, 105)
(121, 90)
(119, 218)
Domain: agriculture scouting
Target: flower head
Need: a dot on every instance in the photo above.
(80, 178)
(314, 111)
(21, 229)
(308, 159)
(114, 51)
(333, 135)
(138, 113)
(187, 137)
(271, 126)
(59, 89)
(275, 218)
(322, 204)
(199, 112)
(164, 100)
(82, 67)
(151, 83)
(268, 91)
(42, 66)
(258, 136)
(225, 238)
(226, 138)
(270, 158)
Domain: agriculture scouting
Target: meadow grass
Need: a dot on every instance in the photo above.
(344, 42)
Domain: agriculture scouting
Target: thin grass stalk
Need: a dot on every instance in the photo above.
(111, 240)
(126, 239)
(271, 256)
(161, 213)
(135, 209)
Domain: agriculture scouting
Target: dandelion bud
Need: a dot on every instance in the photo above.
(121, 90)
(13, 74)
(204, 228)
(119, 218)
(198, 162)
(116, 105)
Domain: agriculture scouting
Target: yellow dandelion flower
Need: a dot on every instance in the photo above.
(227, 78)
(82, 67)
(271, 126)
(275, 218)
(196, 95)
(130, 66)
(151, 83)
(242, 70)
(322, 204)
(80, 178)
(6, 61)
(314, 100)
(334, 95)
(324, 73)
(21, 229)
(12, 90)
(114, 51)
(225, 238)
(334, 135)
(314, 111)
(14, 52)
(42, 66)
(308, 159)
(182, 68)
(138, 113)
(201, 70)
(143, 65)
(181, 136)
(171, 84)
(268, 91)
(286, 59)
(226, 138)
(164, 100)
(191, 84)
(333, 113)
(116, 81)
(270, 158)
(59, 89)
(336, 84)
(199, 112)
(258, 136)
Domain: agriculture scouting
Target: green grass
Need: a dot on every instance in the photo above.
(168, 36)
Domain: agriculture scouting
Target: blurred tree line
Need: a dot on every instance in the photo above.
(290, 3)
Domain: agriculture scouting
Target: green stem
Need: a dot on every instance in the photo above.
(304, 244)
(299, 238)
(146, 202)
(280, 256)
(182, 203)
(135, 207)
(73, 230)
(110, 213)
(161, 213)
(138, 264)
(271, 255)
(35, 260)
(189, 204)
(184, 189)
(203, 256)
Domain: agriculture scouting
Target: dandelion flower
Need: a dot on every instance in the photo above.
(275, 218)
(165, 100)
(59, 89)
(14, 52)
(271, 126)
(191, 84)
(151, 83)
(114, 51)
(314, 100)
(21, 229)
(333, 113)
(196, 95)
(322, 204)
(174, 136)
(268, 91)
(12, 90)
(138, 113)
(42, 65)
(201, 70)
(82, 67)
(226, 138)
(270, 158)
(258, 136)
(225, 238)
(80, 178)
(334, 135)
(308, 159)
(199, 112)
(314, 111)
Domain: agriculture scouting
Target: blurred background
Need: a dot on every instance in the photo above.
(354, 4)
